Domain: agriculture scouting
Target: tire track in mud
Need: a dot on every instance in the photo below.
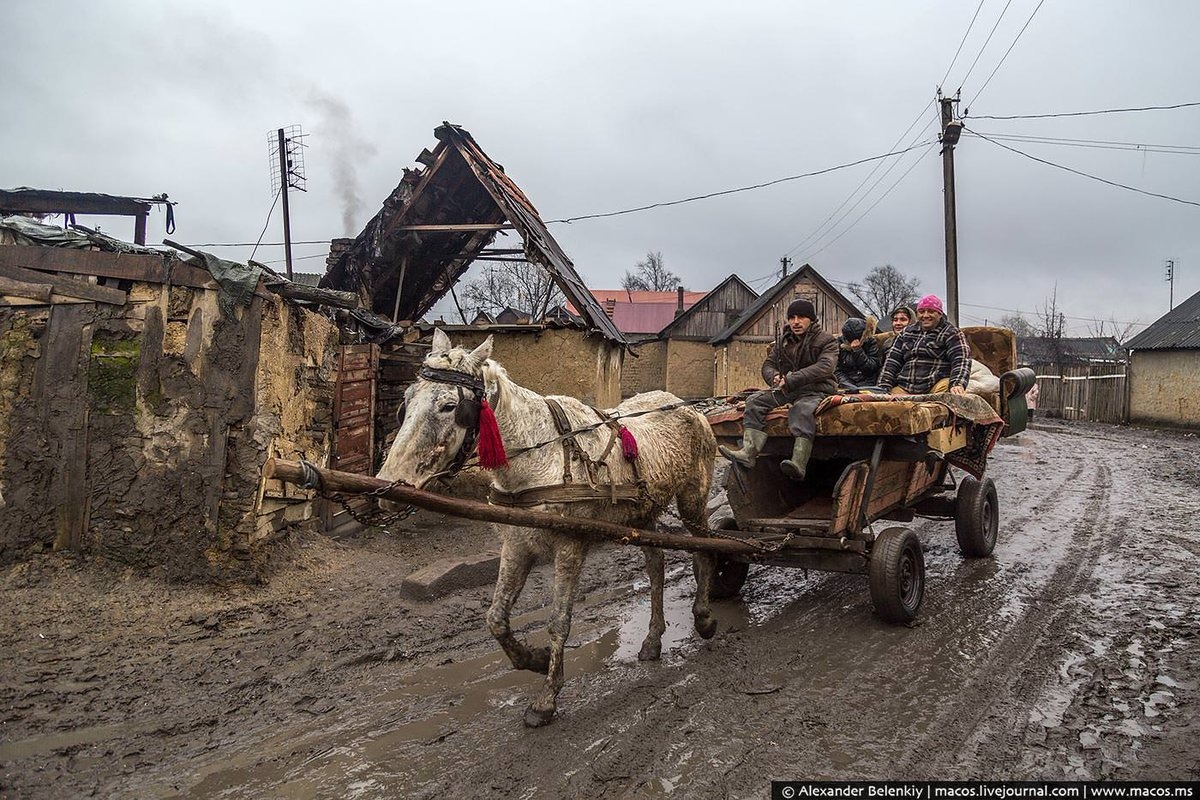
(1022, 660)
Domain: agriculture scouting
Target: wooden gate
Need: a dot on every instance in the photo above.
(353, 428)
(1091, 392)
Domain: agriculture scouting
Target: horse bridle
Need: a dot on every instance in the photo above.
(466, 413)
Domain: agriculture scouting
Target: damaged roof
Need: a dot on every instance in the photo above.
(436, 222)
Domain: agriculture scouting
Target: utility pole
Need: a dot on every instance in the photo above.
(1171, 280)
(784, 263)
(287, 172)
(951, 130)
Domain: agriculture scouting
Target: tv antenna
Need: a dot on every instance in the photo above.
(285, 147)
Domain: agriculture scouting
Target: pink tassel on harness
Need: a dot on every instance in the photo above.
(491, 446)
(628, 443)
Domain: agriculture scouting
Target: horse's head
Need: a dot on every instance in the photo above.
(441, 413)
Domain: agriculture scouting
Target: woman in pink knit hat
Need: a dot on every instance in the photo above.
(930, 357)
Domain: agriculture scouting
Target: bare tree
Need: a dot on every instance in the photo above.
(521, 285)
(1120, 331)
(652, 275)
(1051, 325)
(884, 289)
(1018, 325)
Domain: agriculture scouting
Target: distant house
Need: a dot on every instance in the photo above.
(512, 316)
(680, 357)
(742, 346)
(641, 315)
(1069, 350)
(1164, 369)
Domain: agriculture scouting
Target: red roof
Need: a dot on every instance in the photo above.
(642, 312)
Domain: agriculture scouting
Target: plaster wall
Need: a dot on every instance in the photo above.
(1164, 388)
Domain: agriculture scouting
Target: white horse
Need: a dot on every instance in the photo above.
(675, 452)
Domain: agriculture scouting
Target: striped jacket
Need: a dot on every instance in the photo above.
(918, 359)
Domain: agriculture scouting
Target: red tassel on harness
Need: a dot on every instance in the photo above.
(491, 446)
(628, 443)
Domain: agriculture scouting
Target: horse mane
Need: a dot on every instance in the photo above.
(498, 386)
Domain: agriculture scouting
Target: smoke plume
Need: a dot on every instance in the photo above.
(337, 136)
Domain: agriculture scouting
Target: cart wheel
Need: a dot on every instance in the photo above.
(897, 575)
(730, 575)
(976, 517)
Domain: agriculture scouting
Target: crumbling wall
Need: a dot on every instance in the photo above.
(739, 366)
(138, 432)
(1164, 388)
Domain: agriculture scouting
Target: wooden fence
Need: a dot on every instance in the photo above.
(1091, 392)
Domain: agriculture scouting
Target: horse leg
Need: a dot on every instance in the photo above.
(568, 561)
(655, 568)
(515, 563)
(704, 565)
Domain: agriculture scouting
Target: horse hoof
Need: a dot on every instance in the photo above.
(651, 651)
(706, 626)
(537, 717)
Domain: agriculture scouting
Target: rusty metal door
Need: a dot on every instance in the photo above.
(353, 426)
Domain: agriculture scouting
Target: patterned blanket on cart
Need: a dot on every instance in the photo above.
(885, 415)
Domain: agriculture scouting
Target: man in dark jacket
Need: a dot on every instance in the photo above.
(930, 357)
(799, 370)
(858, 355)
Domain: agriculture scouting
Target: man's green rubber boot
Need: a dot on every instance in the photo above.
(753, 442)
(797, 465)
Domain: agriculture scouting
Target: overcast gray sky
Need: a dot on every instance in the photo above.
(604, 106)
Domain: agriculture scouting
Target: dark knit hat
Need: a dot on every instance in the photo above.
(853, 329)
(801, 308)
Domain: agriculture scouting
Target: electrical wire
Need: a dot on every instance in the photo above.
(1006, 52)
(731, 191)
(1094, 145)
(985, 44)
(1090, 113)
(942, 82)
(877, 202)
(1087, 175)
(265, 224)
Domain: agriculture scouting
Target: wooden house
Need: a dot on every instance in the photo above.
(741, 347)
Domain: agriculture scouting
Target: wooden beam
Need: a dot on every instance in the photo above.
(312, 294)
(68, 286)
(33, 291)
(464, 228)
(50, 202)
(335, 481)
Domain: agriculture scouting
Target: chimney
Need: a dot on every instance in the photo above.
(336, 248)
(679, 306)
(610, 305)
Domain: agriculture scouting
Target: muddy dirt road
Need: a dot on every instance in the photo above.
(1073, 653)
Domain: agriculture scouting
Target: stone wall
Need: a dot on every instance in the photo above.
(1164, 388)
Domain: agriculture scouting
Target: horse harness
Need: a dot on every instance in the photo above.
(571, 491)
(466, 415)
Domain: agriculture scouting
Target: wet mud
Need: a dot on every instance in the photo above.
(1072, 653)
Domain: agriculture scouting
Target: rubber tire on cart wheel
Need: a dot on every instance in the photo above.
(730, 575)
(976, 517)
(897, 575)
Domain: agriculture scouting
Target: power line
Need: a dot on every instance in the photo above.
(732, 191)
(818, 230)
(1094, 145)
(1028, 137)
(985, 43)
(978, 8)
(260, 244)
(1086, 175)
(1009, 50)
(1090, 113)
(877, 202)
(266, 223)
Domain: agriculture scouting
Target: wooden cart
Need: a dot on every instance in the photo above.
(876, 460)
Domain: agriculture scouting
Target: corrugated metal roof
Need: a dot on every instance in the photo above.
(1178, 329)
(1044, 350)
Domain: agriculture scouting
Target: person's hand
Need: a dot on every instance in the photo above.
(777, 381)
(857, 343)
(957, 390)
